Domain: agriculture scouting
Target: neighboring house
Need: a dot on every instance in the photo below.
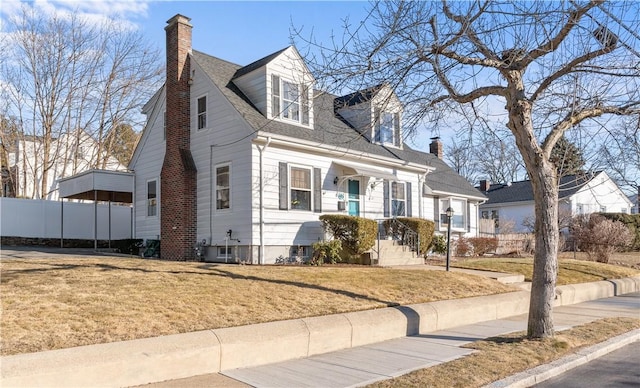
(635, 201)
(246, 159)
(70, 154)
(512, 204)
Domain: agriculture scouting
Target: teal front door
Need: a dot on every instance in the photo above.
(354, 197)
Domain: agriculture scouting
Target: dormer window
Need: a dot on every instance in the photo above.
(387, 128)
(289, 100)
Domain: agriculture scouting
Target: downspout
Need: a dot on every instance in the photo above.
(211, 194)
(421, 178)
(261, 197)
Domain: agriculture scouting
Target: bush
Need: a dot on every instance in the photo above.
(424, 228)
(324, 251)
(357, 234)
(438, 244)
(600, 237)
(632, 222)
(462, 246)
(129, 246)
(483, 245)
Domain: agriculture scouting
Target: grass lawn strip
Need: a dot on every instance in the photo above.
(499, 357)
(569, 271)
(59, 303)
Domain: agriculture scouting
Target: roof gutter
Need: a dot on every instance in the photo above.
(342, 153)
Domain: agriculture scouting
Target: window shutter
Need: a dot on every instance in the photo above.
(396, 129)
(408, 192)
(376, 126)
(317, 191)
(275, 96)
(468, 217)
(284, 186)
(436, 212)
(385, 191)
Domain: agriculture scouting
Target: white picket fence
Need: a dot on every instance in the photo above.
(35, 218)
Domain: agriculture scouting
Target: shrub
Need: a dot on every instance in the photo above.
(439, 244)
(462, 246)
(632, 222)
(357, 234)
(483, 245)
(326, 251)
(424, 228)
(600, 237)
(129, 246)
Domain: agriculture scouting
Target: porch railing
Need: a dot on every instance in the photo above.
(398, 231)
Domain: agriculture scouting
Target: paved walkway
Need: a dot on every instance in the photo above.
(364, 365)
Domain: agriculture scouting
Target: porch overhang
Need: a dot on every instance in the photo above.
(100, 185)
(365, 171)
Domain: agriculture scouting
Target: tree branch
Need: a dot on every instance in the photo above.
(574, 118)
(553, 44)
(566, 69)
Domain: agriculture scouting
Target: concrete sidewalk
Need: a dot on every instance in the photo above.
(366, 364)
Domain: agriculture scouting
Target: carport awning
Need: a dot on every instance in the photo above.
(367, 171)
(101, 185)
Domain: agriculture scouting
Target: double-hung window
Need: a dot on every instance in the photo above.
(459, 213)
(387, 129)
(202, 112)
(152, 200)
(300, 188)
(289, 100)
(223, 188)
(398, 199)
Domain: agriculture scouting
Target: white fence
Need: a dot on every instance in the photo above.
(35, 218)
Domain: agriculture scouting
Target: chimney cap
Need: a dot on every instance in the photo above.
(178, 18)
(435, 138)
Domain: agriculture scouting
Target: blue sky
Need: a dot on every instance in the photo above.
(237, 31)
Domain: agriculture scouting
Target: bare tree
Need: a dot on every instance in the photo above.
(551, 65)
(497, 157)
(68, 78)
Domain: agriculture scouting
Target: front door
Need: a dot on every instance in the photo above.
(354, 197)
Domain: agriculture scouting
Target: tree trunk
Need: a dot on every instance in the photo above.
(545, 259)
(542, 174)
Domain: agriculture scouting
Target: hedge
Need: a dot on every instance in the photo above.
(631, 221)
(357, 234)
(424, 228)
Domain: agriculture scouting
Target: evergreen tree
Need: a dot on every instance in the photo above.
(567, 158)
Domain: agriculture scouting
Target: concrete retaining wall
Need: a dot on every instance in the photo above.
(176, 356)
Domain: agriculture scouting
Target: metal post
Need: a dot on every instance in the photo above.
(449, 213)
(61, 223)
(95, 220)
(109, 223)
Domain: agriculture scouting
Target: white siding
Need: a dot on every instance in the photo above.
(254, 86)
(147, 166)
(227, 139)
(600, 193)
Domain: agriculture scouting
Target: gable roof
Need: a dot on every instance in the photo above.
(258, 64)
(522, 191)
(358, 97)
(328, 129)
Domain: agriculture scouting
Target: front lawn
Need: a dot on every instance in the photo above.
(58, 303)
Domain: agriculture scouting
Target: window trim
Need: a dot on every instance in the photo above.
(156, 198)
(393, 199)
(379, 115)
(443, 217)
(215, 187)
(291, 188)
(280, 105)
(202, 114)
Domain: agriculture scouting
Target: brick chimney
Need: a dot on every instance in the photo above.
(485, 185)
(436, 147)
(178, 176)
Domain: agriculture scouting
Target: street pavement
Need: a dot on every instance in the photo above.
(618, 369)
(366, 364)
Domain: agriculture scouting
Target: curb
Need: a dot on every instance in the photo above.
(143, 361)
(544, 372)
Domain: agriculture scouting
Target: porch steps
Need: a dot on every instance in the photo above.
(392, 253)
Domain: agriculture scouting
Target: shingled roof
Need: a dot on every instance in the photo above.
(329, 128)
(522, 191)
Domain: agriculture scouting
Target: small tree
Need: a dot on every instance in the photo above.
(600, 237)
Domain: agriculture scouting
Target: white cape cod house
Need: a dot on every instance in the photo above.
(585, 193)
(246, 158)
